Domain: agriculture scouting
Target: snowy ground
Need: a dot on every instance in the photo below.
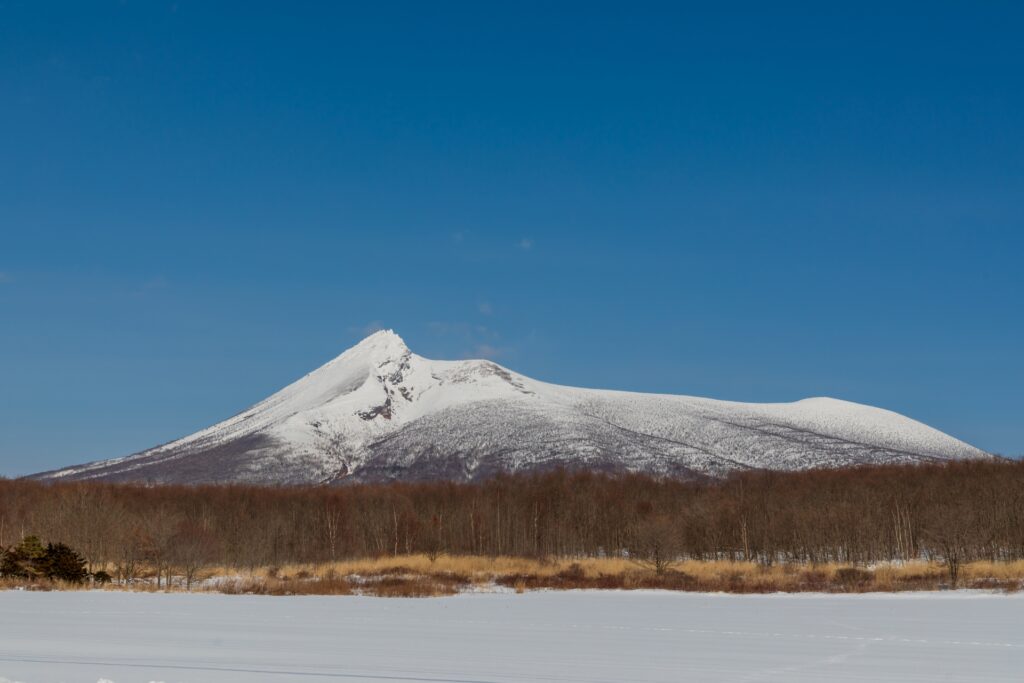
(499, 638)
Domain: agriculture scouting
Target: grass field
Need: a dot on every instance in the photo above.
(421, 576)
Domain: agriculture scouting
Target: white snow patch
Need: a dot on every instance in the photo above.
(641, 636)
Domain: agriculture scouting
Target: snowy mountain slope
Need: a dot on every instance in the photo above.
(380, 412)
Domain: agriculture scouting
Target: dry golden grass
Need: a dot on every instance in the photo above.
(745, 577)
(263, 586)
(473, 566)
(419, 576)
(994, 570)
(47, 585)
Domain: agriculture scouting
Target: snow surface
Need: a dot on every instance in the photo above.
(380, 412)
(500, 638)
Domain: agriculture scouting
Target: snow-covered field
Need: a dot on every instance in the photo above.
(481, 638)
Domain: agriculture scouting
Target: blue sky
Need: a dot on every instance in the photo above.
(199, 202)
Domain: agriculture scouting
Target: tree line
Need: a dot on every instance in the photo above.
(954, 513)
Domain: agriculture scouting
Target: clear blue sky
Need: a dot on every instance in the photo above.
(199, 202)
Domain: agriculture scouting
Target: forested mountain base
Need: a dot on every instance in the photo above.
(952, 514)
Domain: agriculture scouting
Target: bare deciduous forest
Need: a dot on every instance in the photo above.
(953, 513)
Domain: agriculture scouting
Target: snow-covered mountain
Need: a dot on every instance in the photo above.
(380, 412)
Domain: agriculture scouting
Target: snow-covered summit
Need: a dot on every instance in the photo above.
(380, 412)
(382, 344)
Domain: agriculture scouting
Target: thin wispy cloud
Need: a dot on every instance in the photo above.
(476, 341)
(487, 351)
(462, 329)
(485, 308)
(367, 329)
(443, 329)
(526, 244)
(5, 277)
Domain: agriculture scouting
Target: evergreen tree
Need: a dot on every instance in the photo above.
(25, 561)
(9, 567)
(62, 563)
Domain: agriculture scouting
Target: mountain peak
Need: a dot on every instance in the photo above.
(385, 342)
(378, 412)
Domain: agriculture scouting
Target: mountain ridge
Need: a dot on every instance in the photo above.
(379, 412)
